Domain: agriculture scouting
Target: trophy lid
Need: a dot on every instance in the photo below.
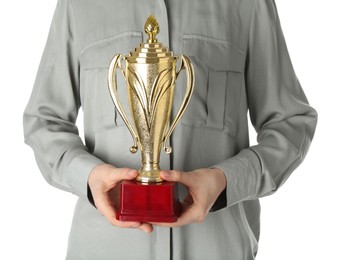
(152, 51)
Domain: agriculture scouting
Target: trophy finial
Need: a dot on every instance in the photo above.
(151, 28)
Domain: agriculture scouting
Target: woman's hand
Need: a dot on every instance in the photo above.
(204, 186)
(104, 184)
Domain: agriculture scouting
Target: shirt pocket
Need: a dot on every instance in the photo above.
(95, 96)
(214, 61)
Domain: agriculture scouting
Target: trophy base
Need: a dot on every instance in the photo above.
(151, 202)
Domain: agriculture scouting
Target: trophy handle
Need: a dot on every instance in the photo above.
(112, 82)
(185, 64)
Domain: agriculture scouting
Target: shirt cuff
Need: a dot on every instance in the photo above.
(78, 171)
(243, 173)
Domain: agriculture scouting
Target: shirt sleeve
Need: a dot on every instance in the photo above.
(279, 111)
(49, 118)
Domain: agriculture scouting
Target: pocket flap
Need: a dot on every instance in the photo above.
(98, 54)
(218, 55)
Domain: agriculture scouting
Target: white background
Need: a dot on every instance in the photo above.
(300, 221)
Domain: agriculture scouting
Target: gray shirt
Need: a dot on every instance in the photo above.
(241, 63)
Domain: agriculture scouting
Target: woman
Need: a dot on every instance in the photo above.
(241, 62)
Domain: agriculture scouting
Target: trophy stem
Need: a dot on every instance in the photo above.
(149, 173)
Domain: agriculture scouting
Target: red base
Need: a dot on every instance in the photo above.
(148, 202)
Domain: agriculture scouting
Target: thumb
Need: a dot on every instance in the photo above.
(176, 176)
(123, 174)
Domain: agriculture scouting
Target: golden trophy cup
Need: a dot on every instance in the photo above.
(150, 74)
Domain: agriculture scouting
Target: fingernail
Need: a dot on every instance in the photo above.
(131, 173)
(166, 174)
(147, 229)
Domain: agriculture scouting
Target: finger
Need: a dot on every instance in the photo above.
(105, 207)
(146, 227)
(190, 215)
(177, 176)
(188, 200)
(123, 174)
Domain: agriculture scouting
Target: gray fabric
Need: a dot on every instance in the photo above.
(240, 61)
